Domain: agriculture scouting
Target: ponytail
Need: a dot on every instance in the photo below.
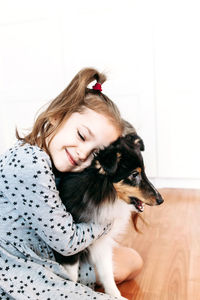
(74, 98)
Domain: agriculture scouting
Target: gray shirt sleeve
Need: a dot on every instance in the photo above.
(32, 190)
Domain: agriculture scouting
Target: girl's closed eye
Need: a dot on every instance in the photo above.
(81, 136)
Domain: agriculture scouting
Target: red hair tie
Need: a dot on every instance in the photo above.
(97, 87)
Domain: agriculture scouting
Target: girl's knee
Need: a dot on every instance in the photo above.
(135, 264)
(127, 263)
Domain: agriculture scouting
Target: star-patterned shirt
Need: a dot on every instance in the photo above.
(33, 219)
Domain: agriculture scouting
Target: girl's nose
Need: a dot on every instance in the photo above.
(83, 154)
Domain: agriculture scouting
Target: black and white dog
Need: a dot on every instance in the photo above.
(108, 191)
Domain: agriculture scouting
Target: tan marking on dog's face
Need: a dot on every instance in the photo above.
(136, 141)
(101, 171)
(118, 156)
(125, 191)
(98, 166)
(139, 170)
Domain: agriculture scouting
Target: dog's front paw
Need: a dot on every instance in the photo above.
(122, 298)
(72, 271)
(115, 293)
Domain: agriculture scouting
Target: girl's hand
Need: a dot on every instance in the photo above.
(105, 229)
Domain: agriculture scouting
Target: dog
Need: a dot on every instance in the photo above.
(114, 186)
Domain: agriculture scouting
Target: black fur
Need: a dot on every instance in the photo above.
(83, 193)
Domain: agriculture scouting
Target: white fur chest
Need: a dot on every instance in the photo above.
(117, 213)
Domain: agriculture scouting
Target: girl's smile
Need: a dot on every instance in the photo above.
(72, 161)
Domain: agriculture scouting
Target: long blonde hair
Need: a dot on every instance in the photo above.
(74, 98)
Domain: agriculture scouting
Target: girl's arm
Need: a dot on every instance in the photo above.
(32, 190)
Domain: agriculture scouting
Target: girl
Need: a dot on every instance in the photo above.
(76, 124)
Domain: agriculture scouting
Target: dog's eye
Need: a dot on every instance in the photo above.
(133, 175)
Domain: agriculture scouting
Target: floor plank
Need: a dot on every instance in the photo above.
(170, 247)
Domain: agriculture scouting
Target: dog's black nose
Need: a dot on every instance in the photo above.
(159, 200)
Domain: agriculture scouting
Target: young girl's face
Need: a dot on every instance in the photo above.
(73, 146)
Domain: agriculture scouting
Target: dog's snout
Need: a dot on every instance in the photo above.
(159, 200)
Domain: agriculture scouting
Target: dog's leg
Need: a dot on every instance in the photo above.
(101, 256)
(72, 270)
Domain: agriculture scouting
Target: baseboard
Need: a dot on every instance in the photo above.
(176, 183)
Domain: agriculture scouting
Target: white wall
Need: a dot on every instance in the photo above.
(149, 50)
(177, 78)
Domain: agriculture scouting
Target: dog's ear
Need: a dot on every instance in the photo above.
(107, 161)
(135, 140)
(138, 141)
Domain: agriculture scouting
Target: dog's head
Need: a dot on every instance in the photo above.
(117, 171)
(122, 162)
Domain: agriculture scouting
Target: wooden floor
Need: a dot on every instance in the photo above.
(170, 247)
